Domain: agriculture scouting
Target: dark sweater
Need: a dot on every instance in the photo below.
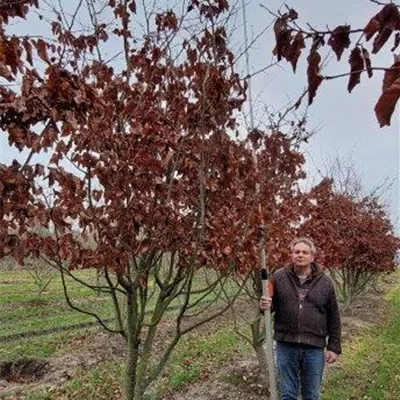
(309, 321)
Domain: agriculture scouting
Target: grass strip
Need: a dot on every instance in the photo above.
(44, 309)
(51, 345)
(370, 368)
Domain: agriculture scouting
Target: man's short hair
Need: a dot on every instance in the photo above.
(305, 240)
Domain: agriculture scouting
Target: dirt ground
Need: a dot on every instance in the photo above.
(236, 381)
(31, 374)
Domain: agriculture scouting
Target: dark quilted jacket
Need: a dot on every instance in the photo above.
(313, 321)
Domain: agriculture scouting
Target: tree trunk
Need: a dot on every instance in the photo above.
(132, 351)
(258, 337)
(144, 363)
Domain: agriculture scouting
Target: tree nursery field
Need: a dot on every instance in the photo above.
(48, 351)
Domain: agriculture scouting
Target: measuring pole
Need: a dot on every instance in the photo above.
(264, 270)
(268, 335)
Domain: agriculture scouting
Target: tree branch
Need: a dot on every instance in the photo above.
(329, 77)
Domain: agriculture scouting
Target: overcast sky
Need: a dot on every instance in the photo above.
(346, 123)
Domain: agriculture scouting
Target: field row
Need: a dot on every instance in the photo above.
(25, 314)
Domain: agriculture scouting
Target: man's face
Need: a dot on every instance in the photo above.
(301, 255)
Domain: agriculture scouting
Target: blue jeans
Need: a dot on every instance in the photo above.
(300, 365)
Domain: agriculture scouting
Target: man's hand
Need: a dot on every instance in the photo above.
(331, 357)
(265, 303)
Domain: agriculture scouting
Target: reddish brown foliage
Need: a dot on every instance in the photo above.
(280, 168)
(396, 41)
(313, 73)
(340, 40)
(15, 8)
(390, 95)
(154, 168)
(367, 61)
(382, 25)
(288, 44)
(351, 233)
(356, 61)
(295, 50)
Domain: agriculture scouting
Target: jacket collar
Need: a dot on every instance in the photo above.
(315, 270)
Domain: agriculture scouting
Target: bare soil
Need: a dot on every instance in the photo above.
(237, 381)
(24, 370)
(240, 380)
(87, 353)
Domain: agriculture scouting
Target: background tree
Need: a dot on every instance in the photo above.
(355, 238)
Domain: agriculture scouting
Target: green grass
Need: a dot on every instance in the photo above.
(103, 382)
(41, 308)
(46, 346)
(23, 312)
(370, 368)
(194, 357)
(60, 317)
(18, 296)
(17, 286)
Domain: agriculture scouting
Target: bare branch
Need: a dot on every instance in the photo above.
(329, 77)
(381, 3)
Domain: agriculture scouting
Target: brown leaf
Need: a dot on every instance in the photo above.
(396, 41)
(340, 40)
(28, 49)
(9, 55)
(57, 218)
(314, 77)
(132, 6)
(227, 250)
(41, 47)
(295, 50)
(5, 72)
(356, 61)
(390, 95)
(3, 50)
(283, 37)
(19, 254)
(39, 169)
(318, 41)
(387, 18)
(391, 75)
(367, 60)
(380, 40)
(371, 28)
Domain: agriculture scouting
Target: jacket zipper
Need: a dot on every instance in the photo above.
(301, 301)
(300, 309)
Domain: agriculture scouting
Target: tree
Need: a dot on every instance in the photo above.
(277, 198)
(355, 238)
(141, 163)
(291, 40)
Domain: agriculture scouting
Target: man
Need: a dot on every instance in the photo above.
(306, 320)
